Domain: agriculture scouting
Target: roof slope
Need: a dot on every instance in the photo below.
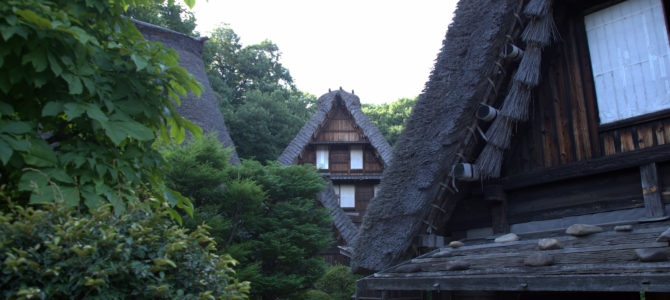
(353, 105)
(204, 111)
(289, 156)
(427, 148)
(605, 261)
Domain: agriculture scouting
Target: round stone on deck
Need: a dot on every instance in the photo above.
(457, 265)
(583, 229)
(408, 268)
(539, 259)
(549, 244)
(443, 253)
(623, 228)
(664, 237)
(651, 254)
(456, 244)
(510, 237)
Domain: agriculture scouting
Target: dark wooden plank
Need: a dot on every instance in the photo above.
(660, 134)
(645, 137)
(527, 282)
(579, 107)
(593, 166)
(627, 142)
(562, 116)
(651, 190)
(609, 146)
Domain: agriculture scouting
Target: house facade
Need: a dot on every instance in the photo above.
(539, 115)
(349, 151)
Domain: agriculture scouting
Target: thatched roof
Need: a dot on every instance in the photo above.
(289, 156)
(202, 111)
(432, 141)
(325, 103)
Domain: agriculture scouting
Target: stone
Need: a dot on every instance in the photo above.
(408, 268)
(443, 253)
(549, 244)
(623, 228)
(583, 229)
(539, 259)
(664, 237)
(510, 237)
(457, 265)
(456, 244)
(651, 254)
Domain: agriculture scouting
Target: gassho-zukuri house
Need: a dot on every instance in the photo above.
(202, 111)
(535, 164)
(347, 148)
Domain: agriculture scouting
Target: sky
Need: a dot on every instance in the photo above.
(383, 50)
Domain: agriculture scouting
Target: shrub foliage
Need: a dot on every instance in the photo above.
(57, 253)
(77, 79)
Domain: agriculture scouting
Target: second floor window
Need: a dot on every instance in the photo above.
(356, 156)
(322, 157)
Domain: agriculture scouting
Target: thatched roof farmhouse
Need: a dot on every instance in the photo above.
(202, 111)
(348, 150)
(535, 162)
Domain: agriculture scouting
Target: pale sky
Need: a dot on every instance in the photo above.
(383, 50)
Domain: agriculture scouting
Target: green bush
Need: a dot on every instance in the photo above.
(83, 97)
(58, 253)
(338, 282)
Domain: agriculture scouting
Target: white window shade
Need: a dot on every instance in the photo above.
(356, 157)
(347, 195)
(630, 59)
(322, 157)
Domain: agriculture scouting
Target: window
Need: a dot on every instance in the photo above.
(376, 190)
(630, 60)
(356, 157)
(322, 157)
(347, 195)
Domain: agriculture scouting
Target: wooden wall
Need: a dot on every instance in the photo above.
(340, 126)
(564, 126)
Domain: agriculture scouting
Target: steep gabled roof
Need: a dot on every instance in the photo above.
(438, 133)
(325, 104)
(289, 156)
(202, 111)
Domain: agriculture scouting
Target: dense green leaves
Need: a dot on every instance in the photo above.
(390, 118)
(265, 217)
(82, 92)
(166, 13)
(263, 109)
(59, 253)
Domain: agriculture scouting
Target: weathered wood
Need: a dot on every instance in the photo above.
(651, 190)
(529, 282)
(496, 195)
(589, 167)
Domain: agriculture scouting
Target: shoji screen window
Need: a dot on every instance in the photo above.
(629, 50)
(356, 157)
(322, 157)
(347, 195)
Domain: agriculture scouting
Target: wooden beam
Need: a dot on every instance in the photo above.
(635, 282)
(588, 167)
(651, 190)
(495, 195)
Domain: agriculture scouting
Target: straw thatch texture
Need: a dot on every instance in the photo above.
(289, 156)
(427, 148)
(517, 102)
(204, 111)
(325, 103)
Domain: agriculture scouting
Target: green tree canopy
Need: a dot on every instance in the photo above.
(78, 79)
(263, 109)
(266, 217)
(390, 117)
(165, 13)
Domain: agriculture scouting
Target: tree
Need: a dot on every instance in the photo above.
(165, 13)
(267, 122)
(262, 107)
(78, 79)
(266, 217)
(390, 118)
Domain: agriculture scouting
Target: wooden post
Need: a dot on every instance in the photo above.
(495, 195)
(385, 295)
(651, 191)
